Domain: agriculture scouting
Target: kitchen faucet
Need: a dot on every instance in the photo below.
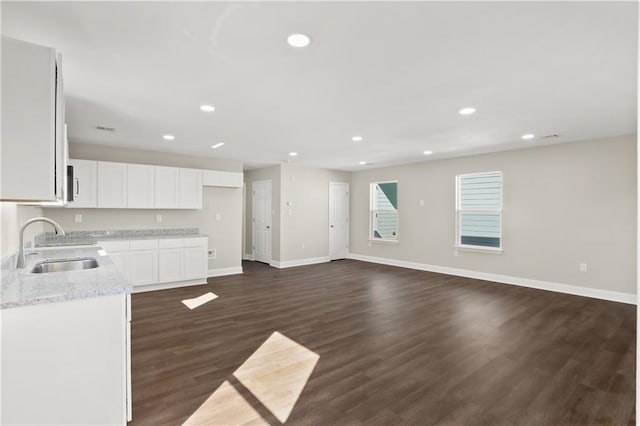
(56, 226)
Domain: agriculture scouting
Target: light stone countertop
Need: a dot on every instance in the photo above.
(80, 238)
(21, 287)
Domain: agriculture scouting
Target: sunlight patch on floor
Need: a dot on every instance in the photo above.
(225, 407)
(199, 301)
(277, 372)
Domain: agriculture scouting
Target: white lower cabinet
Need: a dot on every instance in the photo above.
(171, 265)
(143, 262)
(163, 261)
(67, 363)
(196, 264)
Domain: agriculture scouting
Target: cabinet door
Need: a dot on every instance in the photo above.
(85, 174)
(112, 185)
(28, 160)
(140, 186)
(121, 260)
(233, 180)
(195, 263)
(166, 187)
(143, 267)
(171, 265)
(190, 188)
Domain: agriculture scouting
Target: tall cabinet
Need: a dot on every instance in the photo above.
(34, 153)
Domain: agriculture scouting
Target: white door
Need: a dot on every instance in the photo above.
(338, 220)
(140, 186)
(85, 175)
(262, 221)
(166, 187)
(112, 185)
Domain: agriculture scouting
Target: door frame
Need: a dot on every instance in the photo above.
(345, 184)
(253, 219)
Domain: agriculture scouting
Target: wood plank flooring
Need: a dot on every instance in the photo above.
(395, 346)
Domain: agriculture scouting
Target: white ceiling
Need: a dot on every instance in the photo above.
(395, 73)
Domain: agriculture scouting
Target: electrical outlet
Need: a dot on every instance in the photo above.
(304, 245)
(78, 218)
(211, 253)
(158, 218)
(583, 267)
(421, 203)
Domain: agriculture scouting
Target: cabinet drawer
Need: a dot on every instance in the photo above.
(171, 243)
(196, 242)
(144, 244)
(114, 246)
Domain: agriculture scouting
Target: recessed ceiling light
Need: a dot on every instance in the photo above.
(467, 111)
(528, 136)
(362, 163)
(218, 145)
(356, 138)
(299, 40)
(168, 137)
(293, 154)
(428, 152)
(207, 108)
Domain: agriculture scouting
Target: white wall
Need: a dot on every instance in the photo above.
(301, 230)
(224, 235)
(305, 223)
(12, 216)
(563, 204)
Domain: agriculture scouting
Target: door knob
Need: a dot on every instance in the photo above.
(331, 226)
(268, 227)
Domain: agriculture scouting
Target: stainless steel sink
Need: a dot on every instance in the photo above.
(62, 265)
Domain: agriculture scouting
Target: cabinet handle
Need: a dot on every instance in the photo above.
(77, 186)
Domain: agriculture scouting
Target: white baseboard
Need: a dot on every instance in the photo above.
(248, 256)
(166, 286)
(505, 279)
(224, 271)
(299, 262)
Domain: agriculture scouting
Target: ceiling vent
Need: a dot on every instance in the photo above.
(554, 136)
(106, 129)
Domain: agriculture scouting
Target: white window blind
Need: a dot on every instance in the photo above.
(479, 210)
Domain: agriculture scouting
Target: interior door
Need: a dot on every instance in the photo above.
(338, 220)
(262, 221)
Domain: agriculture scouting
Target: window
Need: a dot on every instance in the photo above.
(479, 210)
(384, 211)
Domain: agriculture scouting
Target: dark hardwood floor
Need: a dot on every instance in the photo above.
(396, 346)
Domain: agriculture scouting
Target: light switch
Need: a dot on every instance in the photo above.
(78, 218)
(218, 217)
(421, 202)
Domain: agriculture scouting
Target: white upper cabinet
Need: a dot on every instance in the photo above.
(33, 159)
(166, 191)
(85, 184)
(112, 185)
(140, 186)
(190, 188)
(223, 179)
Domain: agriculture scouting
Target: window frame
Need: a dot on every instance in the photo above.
(459, 211)
(372, 211)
